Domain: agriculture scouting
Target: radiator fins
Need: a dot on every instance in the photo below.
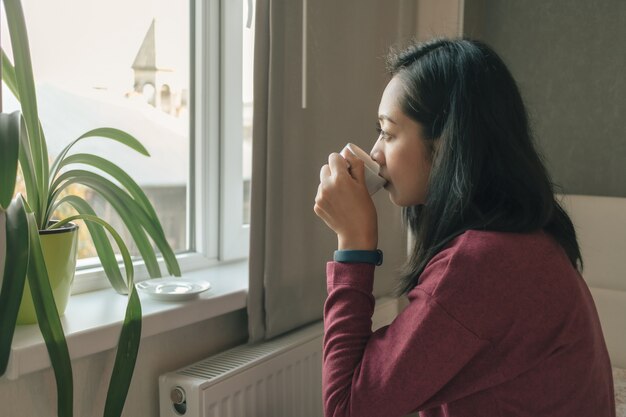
(242, 357)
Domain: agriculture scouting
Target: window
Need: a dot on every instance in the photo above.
(167, 73)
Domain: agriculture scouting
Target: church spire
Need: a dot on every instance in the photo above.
(146, 57)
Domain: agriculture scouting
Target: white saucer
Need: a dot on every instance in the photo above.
(172, 289)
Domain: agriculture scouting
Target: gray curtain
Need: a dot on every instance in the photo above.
(345, 49)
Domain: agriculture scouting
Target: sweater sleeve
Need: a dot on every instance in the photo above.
(398, 368)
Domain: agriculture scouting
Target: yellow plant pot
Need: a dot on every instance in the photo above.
(59, 252)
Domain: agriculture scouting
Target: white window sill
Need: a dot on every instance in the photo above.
(93, 320)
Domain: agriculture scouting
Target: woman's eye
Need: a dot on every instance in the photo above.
(381, 132)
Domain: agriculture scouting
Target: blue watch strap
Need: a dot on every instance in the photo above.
(359, 256)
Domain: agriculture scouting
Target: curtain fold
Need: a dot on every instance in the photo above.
(289, 245)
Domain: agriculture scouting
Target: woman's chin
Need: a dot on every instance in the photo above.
(392, 196)
(399, 200)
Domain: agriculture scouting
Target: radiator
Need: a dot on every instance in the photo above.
(280, 377)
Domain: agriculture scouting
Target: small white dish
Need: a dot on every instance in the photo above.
(172, 289)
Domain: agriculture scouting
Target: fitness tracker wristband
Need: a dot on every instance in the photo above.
(359, 256)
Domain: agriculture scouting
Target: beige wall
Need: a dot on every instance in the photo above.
(34, 395)
(439, 18)
(601, 230)
(569, 58)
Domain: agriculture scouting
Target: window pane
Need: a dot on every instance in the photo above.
(116, 64)
(247, 62)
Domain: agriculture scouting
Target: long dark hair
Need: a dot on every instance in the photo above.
(486, 173)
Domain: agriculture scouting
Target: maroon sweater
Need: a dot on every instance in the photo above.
(501, 325)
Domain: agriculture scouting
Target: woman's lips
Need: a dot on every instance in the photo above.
(381, 174)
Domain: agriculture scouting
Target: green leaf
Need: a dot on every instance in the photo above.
(128, 264)
(8, 74)
(130, 336)
(49, 322)
(122, 203)
(16, 262)
(28, 170)
(103, 132)
(25, 154)
(125, 358)
(135, 218)
(10, 145)
(28, 99)
(117, 135)
(116, 172)
(100, 241)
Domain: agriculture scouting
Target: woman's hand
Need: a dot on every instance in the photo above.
(344, 203)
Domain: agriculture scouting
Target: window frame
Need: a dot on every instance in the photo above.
(235, 235)
(216, 232)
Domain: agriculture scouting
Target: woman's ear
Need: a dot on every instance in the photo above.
(434, 146)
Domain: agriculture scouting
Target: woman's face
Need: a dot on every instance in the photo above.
(401, 150)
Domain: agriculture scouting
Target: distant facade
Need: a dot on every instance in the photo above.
(160, 86)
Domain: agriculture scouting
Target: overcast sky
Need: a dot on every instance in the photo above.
(93, 43)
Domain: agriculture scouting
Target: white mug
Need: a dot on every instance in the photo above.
(373, 181)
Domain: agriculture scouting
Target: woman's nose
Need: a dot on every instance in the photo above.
(377, 154)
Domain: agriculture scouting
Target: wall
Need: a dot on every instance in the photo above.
(35, 394)
(439, 18)
(568, 58)
(601, 230)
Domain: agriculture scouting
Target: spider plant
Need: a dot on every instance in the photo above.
(23, 144)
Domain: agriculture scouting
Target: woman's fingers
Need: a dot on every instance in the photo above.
(324, 172)
(357, 169)
(318, 207)
(337, 163)
(343, 203)
(348, 165)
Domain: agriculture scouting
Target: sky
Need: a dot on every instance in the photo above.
(93, 43)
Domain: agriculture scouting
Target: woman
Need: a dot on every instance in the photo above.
(500, 322)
